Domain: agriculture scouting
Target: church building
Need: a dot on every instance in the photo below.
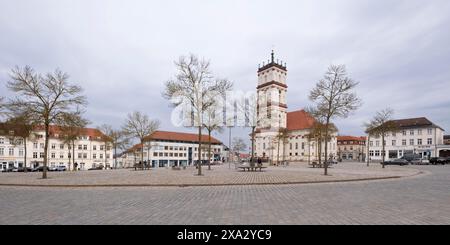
(281, 135)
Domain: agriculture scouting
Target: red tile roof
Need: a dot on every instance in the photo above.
(92, 133)
(351, 138)
(176, 136)
(298, 120)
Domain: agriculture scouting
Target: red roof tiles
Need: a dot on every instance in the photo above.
(298, 120)
(176, 136)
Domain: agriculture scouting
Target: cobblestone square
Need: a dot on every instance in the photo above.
(422, 199)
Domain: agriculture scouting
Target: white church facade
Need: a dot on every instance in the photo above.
(281, 135)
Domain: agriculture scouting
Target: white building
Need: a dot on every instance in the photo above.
(273, 118)
(90, 150)
(412, 136)
(167, 149)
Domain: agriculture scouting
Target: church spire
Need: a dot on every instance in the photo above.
(273, 56)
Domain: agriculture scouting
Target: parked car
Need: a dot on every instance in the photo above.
(10, 169)
(399, 161)
(417, 161)
(438, 160)
(22, 169)
(61, 168)
(424, 162)
(96, 168)
(40, 169)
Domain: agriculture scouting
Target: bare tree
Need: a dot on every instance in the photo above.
(212, 122)
(139, 126)
(118, 140)
(282, 137)
(45, 99)
(107, 139)
(238, 145)
(248, 106)
(195, 87)
(380, 125)
(72, 127)
(333, 98)
(23, 129)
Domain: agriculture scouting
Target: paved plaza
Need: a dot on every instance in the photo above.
(219, 175)
(422, 199)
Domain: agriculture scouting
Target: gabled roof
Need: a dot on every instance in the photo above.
(54, 130)
(351, 138)
(181, 137)
(299, 120)
(414, 123)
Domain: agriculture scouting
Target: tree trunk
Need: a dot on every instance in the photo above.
(115, 156)
(278, 152)
(368, 148)
(73, 156)
(142, 155)
(326, 147)
(209, 149)
(382, 149)
(253, 143)
(44, 170)
(25, 154)
(199, 164)
(106, 160)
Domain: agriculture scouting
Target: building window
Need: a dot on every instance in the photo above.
(42, 145)
(264, 146)
(160, 154)
(290, 146)
(403, 142)
(61, 155)
(84, 147)
(94, 156)
(61, 146)
(53, 155)
(41, 155)
(404, 132)
(155, 154)
(35, 145)
(85, 155)
(377, 143)
(102, 147)
(11, 151)
(419, 141)
(411, 142)
(94, 147)
(419, 132)
(20, 152)
(80, 147)
(371, 143)
(35, 155)
(53, 146)
(80, 155)
(411, 132)
(377, 153)
(429, 141)
(430, 131)
(296, 146)
(2, 141)
(394, 142)
(2, 151)
(101, 156)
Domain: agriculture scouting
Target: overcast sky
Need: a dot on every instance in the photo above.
(122, 52)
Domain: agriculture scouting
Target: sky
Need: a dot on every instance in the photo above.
(123, 52)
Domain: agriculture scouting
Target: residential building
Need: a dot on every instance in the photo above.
(351, 148)
(167, 149)
(446, 139)
(90, 149)
(412, 136)
(296, 143)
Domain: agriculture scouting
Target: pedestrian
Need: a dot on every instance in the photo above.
(259, 162)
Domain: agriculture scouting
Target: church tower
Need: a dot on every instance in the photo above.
(271, 92)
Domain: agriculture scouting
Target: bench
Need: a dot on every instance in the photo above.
(254, 168)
